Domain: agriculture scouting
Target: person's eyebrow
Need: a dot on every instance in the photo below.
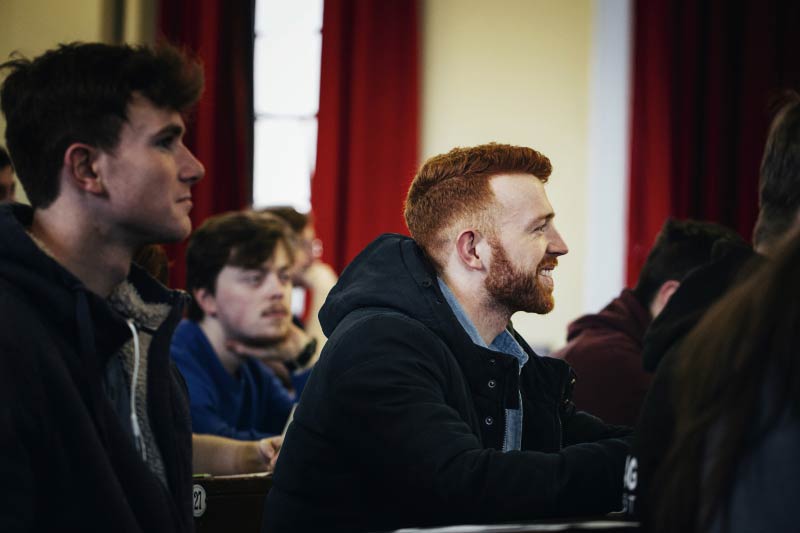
(538, 221)
(170, 130)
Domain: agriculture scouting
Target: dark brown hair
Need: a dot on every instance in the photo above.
(80, 93)
(296, 220)
(241, 238)
(680, 246)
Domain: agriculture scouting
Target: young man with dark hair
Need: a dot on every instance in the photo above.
(7, 184)
(95, 431)
(239, 267)
(605, 349)
(426, 407)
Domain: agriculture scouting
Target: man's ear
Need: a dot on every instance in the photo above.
(206, 301)
(80, 161)
(664, 293)
(470, 249)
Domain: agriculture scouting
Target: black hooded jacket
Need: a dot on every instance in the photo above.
(67, 459)
(403, 418)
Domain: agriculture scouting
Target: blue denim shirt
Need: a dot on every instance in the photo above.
(503, 343)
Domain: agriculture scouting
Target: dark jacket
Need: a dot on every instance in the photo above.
(67, 460)
(402, 421)
(605, 349)
(655, 429)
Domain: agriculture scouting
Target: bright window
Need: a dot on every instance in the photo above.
(288, 46)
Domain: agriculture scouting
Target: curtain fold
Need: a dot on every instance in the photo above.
(220, 131)
(367, 145)
(705, 74)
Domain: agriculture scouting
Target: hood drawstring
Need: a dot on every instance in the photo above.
(137, 432)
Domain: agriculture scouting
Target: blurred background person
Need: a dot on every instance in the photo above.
(779, 203)
(239, 275)
(312, 278)
(733, 464)
(605, 349)
(211, 454)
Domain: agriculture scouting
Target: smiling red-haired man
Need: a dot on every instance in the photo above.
(426, 407)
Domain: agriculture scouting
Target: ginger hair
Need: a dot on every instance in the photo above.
(454, 187)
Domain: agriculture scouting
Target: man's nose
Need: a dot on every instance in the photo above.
(557, 246)
(192, 170)
(272, 287)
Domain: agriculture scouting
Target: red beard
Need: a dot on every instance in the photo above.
(516, 290)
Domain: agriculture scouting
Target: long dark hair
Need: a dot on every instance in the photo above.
(747, 341)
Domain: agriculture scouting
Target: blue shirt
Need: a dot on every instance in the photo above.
(252, 405)
(503, 343)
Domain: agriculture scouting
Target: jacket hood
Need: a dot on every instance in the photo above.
(624, 314)
(392, 272)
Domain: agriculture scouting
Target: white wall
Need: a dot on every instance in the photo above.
(607, 173)
(518, 71)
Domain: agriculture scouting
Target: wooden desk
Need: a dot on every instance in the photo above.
(236, 503)
(229, 503)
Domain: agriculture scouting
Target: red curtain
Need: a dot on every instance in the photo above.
(704, 75)
(220, 132)
(368, 123)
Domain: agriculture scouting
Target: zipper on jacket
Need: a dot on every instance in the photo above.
(505, 433)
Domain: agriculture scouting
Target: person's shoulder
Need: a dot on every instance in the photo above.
(22, 320)
(380, 325)
(187, 341)
(383, 336)
(597, 346)
(193, 355)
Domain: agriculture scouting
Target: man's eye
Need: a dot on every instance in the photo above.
(284, 276)
(541, 228)
(252, 280)
(165, 142)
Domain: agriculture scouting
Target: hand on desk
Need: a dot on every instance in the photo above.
(221, 456)
(269, 449)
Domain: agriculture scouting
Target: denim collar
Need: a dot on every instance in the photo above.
(503, 343)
